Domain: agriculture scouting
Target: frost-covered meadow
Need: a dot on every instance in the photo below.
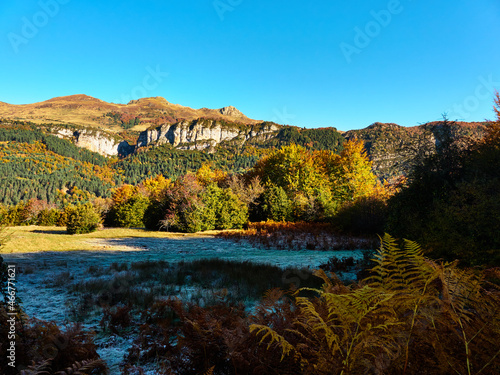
(51, 284)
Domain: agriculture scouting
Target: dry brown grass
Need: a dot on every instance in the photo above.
(87, 111)
(299, 235)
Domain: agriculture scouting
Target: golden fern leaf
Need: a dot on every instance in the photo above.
(92, 366)
(273, 294)
(314, 322)
(463, 286)
(328, 282)
(274, 336)
(210, 371)
(42, 368)
(404, 269)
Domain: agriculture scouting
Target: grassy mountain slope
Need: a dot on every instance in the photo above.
(88, 111)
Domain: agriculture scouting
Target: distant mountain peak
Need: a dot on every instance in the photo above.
(383, 125)
(85, 110)
(158, 99)
(74, 98)
(231, 111)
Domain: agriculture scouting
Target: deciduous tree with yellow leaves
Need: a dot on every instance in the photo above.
(317, 183)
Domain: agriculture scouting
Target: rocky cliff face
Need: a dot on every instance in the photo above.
(201, 134)
(100, 142)
(185, 135)
(395, 149)
(97, 142)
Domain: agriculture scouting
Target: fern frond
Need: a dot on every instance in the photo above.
(39, 368)
(400, 269)
(274, 337)
(91, 367)
(411, 313)
(274, 294)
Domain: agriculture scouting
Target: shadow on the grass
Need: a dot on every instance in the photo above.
(62, 231)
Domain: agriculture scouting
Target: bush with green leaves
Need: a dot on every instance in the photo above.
(131, 212)
(48, 217)
(228, 211)
(81, 219)
(17, 215)
(277, 206)
(181, 208)
(188, 206)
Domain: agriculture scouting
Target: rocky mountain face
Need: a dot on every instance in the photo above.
(101, 142)
(197, 134)
(395, 149)
(202, 133)
(102, 145)
(231, 111)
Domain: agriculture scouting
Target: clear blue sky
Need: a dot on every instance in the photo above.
(313, 64)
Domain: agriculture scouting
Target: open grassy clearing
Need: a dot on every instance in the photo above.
(37, 239)
(106, 285)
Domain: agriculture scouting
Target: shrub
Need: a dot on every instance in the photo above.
(366, 216)
(181, 207)
(131, 212)
(277, 206)
(187, 206)
(224, 207)
(319, 206)
(29, 213)
(63, 218)
(17, 215)
(48, 217)
(81, 219)
(153, 215)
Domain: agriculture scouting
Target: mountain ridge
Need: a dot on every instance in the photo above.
(121, 129)
(85, 110)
